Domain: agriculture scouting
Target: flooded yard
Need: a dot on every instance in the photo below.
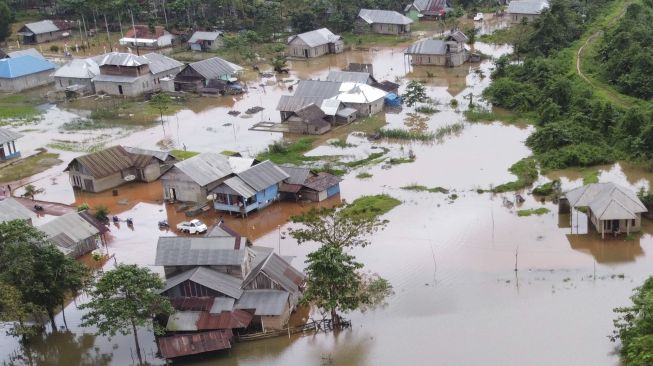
(472, 281)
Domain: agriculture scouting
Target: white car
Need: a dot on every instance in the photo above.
(192, 227)
(478, 17)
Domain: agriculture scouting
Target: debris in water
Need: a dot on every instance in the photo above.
(254, 110)
(123, 201)
(233, 113)
(226, 124)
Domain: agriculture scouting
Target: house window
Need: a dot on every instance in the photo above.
(634, 223)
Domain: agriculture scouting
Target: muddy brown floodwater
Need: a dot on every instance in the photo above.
(457, 297)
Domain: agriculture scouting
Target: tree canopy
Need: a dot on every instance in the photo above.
(6, 18)
(634, 327)
(415, 93)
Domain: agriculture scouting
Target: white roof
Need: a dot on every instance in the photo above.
(126, 40)
(78, 69)
(532, 7)
(608, 201)
(359, 93)
(330, 106)
(204, 36)
(316, 38)
(123, 59)
(30, 51)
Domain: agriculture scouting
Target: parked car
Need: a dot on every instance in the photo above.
(478, 17)
(192, 227)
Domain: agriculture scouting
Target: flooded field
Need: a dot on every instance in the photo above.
(474, 284)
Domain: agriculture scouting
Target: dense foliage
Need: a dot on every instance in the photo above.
(634, 327)
(6, 18)
(626, 52)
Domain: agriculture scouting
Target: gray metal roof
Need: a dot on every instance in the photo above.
(199, 251)
(8, 135)
(210, 278)
(204, 36)
(10, 209)
(115, 78)
(346, 112)
(266, 302)
(44, 26)
(221, 304)
(160, 63)
(236, 185)
(279, 271)
(123, 59)
(79, 69)
(608, 201)
(263, 175)
(427, 47)
(206, 168)
(316, 37)
(291, 103)
(532, 7)
(317, 88)
(372, 16)
(71, 224)
(161, 155)
(330, 107)
(457, 36)
(29, 52)
(215, 68)
(351, 76)
(296, 175)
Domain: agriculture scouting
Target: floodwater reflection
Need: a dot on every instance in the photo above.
(60, 348)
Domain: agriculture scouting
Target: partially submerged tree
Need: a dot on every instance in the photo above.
(31, 191)
(161, 102)
(123, 299)
(415, 93)
(634, 327)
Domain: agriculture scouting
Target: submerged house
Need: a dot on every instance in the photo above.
(73, 234)
(448, 52)
(193, 179)
(200, 74)
(314, 44)
(610, 207)
(24, 72)
(351, 76)
(304, 184)
(8, 149)
(205, 41)
(11, 210)
(248, 190)
(525, 10)
(426, 9)
(218, 286)
(77, 74)
(111, 167)
(382, 22)
(130, 75)
(308, 120)
(366, 100)
(143, 36)
(44, 31)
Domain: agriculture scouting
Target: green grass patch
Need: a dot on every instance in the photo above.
(420, 188)
(370, 159)
(427, 109)
(547, 189)
(485, 115)
(364, 40)
(183, 154)
(28, 166)
(533, 211)
(401, 134)
(341, 143)
(526, 172)
(591, 177)
(364, 175)
(17, 106)
(282, 152)
(397, 161)
(372, 206)
(229, 152)
(452, 129)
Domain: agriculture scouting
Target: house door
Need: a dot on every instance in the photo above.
(614, 225)
(88, 185)
(120, 89)
(172, 194)
(2, 153)
(306, 53)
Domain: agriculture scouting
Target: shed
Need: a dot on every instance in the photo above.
(308, 120)
(10, 210)
(357, 67)
(8, 144)
(199, 74)
(41, 31)
(314, 43)
(419, 9)
(202, 41)
(142, 36)
(306, 184)
(194, 343)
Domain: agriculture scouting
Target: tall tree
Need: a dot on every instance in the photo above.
(415, 93)
(6, 18)
(123, 299)
(634, 327)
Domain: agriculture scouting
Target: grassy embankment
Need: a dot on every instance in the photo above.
(420, 188)
(526, 172)
(533, 211)
(372, 206)
(28, 166)
(17, 106)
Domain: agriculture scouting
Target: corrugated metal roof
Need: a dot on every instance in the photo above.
(206, 168)
(221, 304)
(239, 164)
(200, 251)
(263, 175)
(372, 16)
(105, 162)
(23, 65)
(296, 175)
(161, 155)
(183, 321)
(70, 224)
(193, 303)
(160, 63)
(10, 209)
(219, 231)
(264, 302)
(430, 6)
(44, 26)
(357, 67)
(224, 320)
(349, 76)
(317, 88)
(282, 273)
(195, 343)
(115, 78)
(239, 186)
(457, 36)
(78, 69)
(210, 278)
(316, 37)
(322, 182)
(608, 201)
(204, 36)
(7, 135)
(359, 93)
(427, 47)
(346, 112)
(30, 52)
(310, 112)
(215, 68)
(123, 59)
(532, 7)
(330, 107)
(291, 103)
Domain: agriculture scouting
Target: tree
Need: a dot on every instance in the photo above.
(415, 93)
(6, 18)
(303, 20)
(14, 309)
(279, 63)
(31, 191)
(123, 299)
(161, 102)
(634, 327)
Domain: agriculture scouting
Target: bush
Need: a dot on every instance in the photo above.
(54, 48)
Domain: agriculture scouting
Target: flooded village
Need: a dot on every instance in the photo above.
(174, 152)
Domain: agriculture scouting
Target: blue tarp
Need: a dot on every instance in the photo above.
(392, 100)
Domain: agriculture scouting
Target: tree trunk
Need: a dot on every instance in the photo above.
(52, 322)
(138, 346)
(335, 319)
(63, 313)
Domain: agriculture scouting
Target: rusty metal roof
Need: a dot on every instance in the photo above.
(221, 304)
(191, 344)
(105, 162)
(208, 278)
(279, 271)
(192, 303)
(322, 182)
(224, 320)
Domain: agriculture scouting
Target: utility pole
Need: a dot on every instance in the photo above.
(135, 34)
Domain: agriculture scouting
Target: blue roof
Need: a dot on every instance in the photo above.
(24, 65)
